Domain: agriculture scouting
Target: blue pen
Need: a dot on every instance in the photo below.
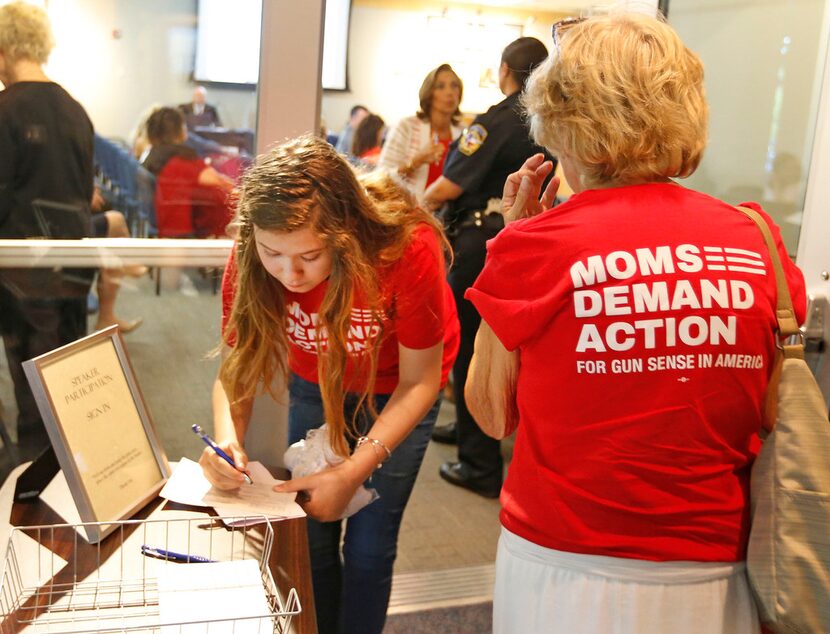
(169, 555)
(212, 444)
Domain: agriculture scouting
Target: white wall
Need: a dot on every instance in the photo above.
(119, 57)
(391, 50)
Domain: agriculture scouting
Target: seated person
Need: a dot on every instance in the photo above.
(368, 139)
(140, 144)
(344, 139)
(198, 113)
(191, 196)
(202, 146)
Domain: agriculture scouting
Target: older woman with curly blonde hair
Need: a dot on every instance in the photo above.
(628, 334)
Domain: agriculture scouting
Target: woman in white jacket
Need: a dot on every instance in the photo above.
(417, 146)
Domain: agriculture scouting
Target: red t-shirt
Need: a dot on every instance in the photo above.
(371, 156)
(419, 312)
(644, 317)
(185, 208)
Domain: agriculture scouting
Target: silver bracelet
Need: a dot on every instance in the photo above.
(375, 443)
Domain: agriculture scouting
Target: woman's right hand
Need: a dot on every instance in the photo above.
(522, 189)
(218, 472)
(432, 153)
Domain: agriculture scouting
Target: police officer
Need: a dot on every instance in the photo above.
(494, 146)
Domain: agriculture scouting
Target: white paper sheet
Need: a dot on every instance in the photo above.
(188, 485)
(228, 595)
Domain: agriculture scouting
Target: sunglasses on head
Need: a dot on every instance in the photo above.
(563, 25)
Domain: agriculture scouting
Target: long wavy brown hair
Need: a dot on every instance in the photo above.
(365, 221)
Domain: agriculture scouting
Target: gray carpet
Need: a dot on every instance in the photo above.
(466, 619)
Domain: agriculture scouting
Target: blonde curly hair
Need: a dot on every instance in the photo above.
(25, 33)
(623, 98)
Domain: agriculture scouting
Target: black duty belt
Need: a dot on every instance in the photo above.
(478, 218)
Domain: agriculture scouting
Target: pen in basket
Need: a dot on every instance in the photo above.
(169, 555)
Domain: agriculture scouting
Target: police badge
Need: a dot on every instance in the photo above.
(471, 139)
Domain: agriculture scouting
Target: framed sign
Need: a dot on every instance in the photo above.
(100, 429)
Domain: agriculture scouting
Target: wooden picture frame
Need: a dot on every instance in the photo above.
(100, 429)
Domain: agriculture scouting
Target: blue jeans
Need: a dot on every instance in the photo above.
(351, 594)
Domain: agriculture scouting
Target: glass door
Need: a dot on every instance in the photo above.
(768, 86)
(764, 65)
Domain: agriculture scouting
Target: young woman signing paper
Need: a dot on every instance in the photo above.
(338, 284)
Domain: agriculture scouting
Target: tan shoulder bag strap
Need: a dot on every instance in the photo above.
(787, 323)
(785, 315)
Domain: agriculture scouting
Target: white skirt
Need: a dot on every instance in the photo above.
(543, 590)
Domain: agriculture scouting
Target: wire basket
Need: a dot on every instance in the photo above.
(142, 579)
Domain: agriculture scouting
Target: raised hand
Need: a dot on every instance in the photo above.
(523, 196)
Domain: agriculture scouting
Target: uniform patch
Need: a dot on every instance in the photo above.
(472, 139)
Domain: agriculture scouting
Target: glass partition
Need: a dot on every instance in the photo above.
(763, 63)
(122, 60)
(137, 57)
(172, 353)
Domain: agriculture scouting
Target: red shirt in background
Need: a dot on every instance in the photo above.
(371, 156)
(420, 312)
(184, 208)
(644, 317)
(436, 169)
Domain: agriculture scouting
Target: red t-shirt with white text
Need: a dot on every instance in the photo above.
(419, 312)
(644, 317)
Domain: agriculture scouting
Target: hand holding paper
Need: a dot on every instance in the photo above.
(329, 491)
(321, 473)
(188, 485)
